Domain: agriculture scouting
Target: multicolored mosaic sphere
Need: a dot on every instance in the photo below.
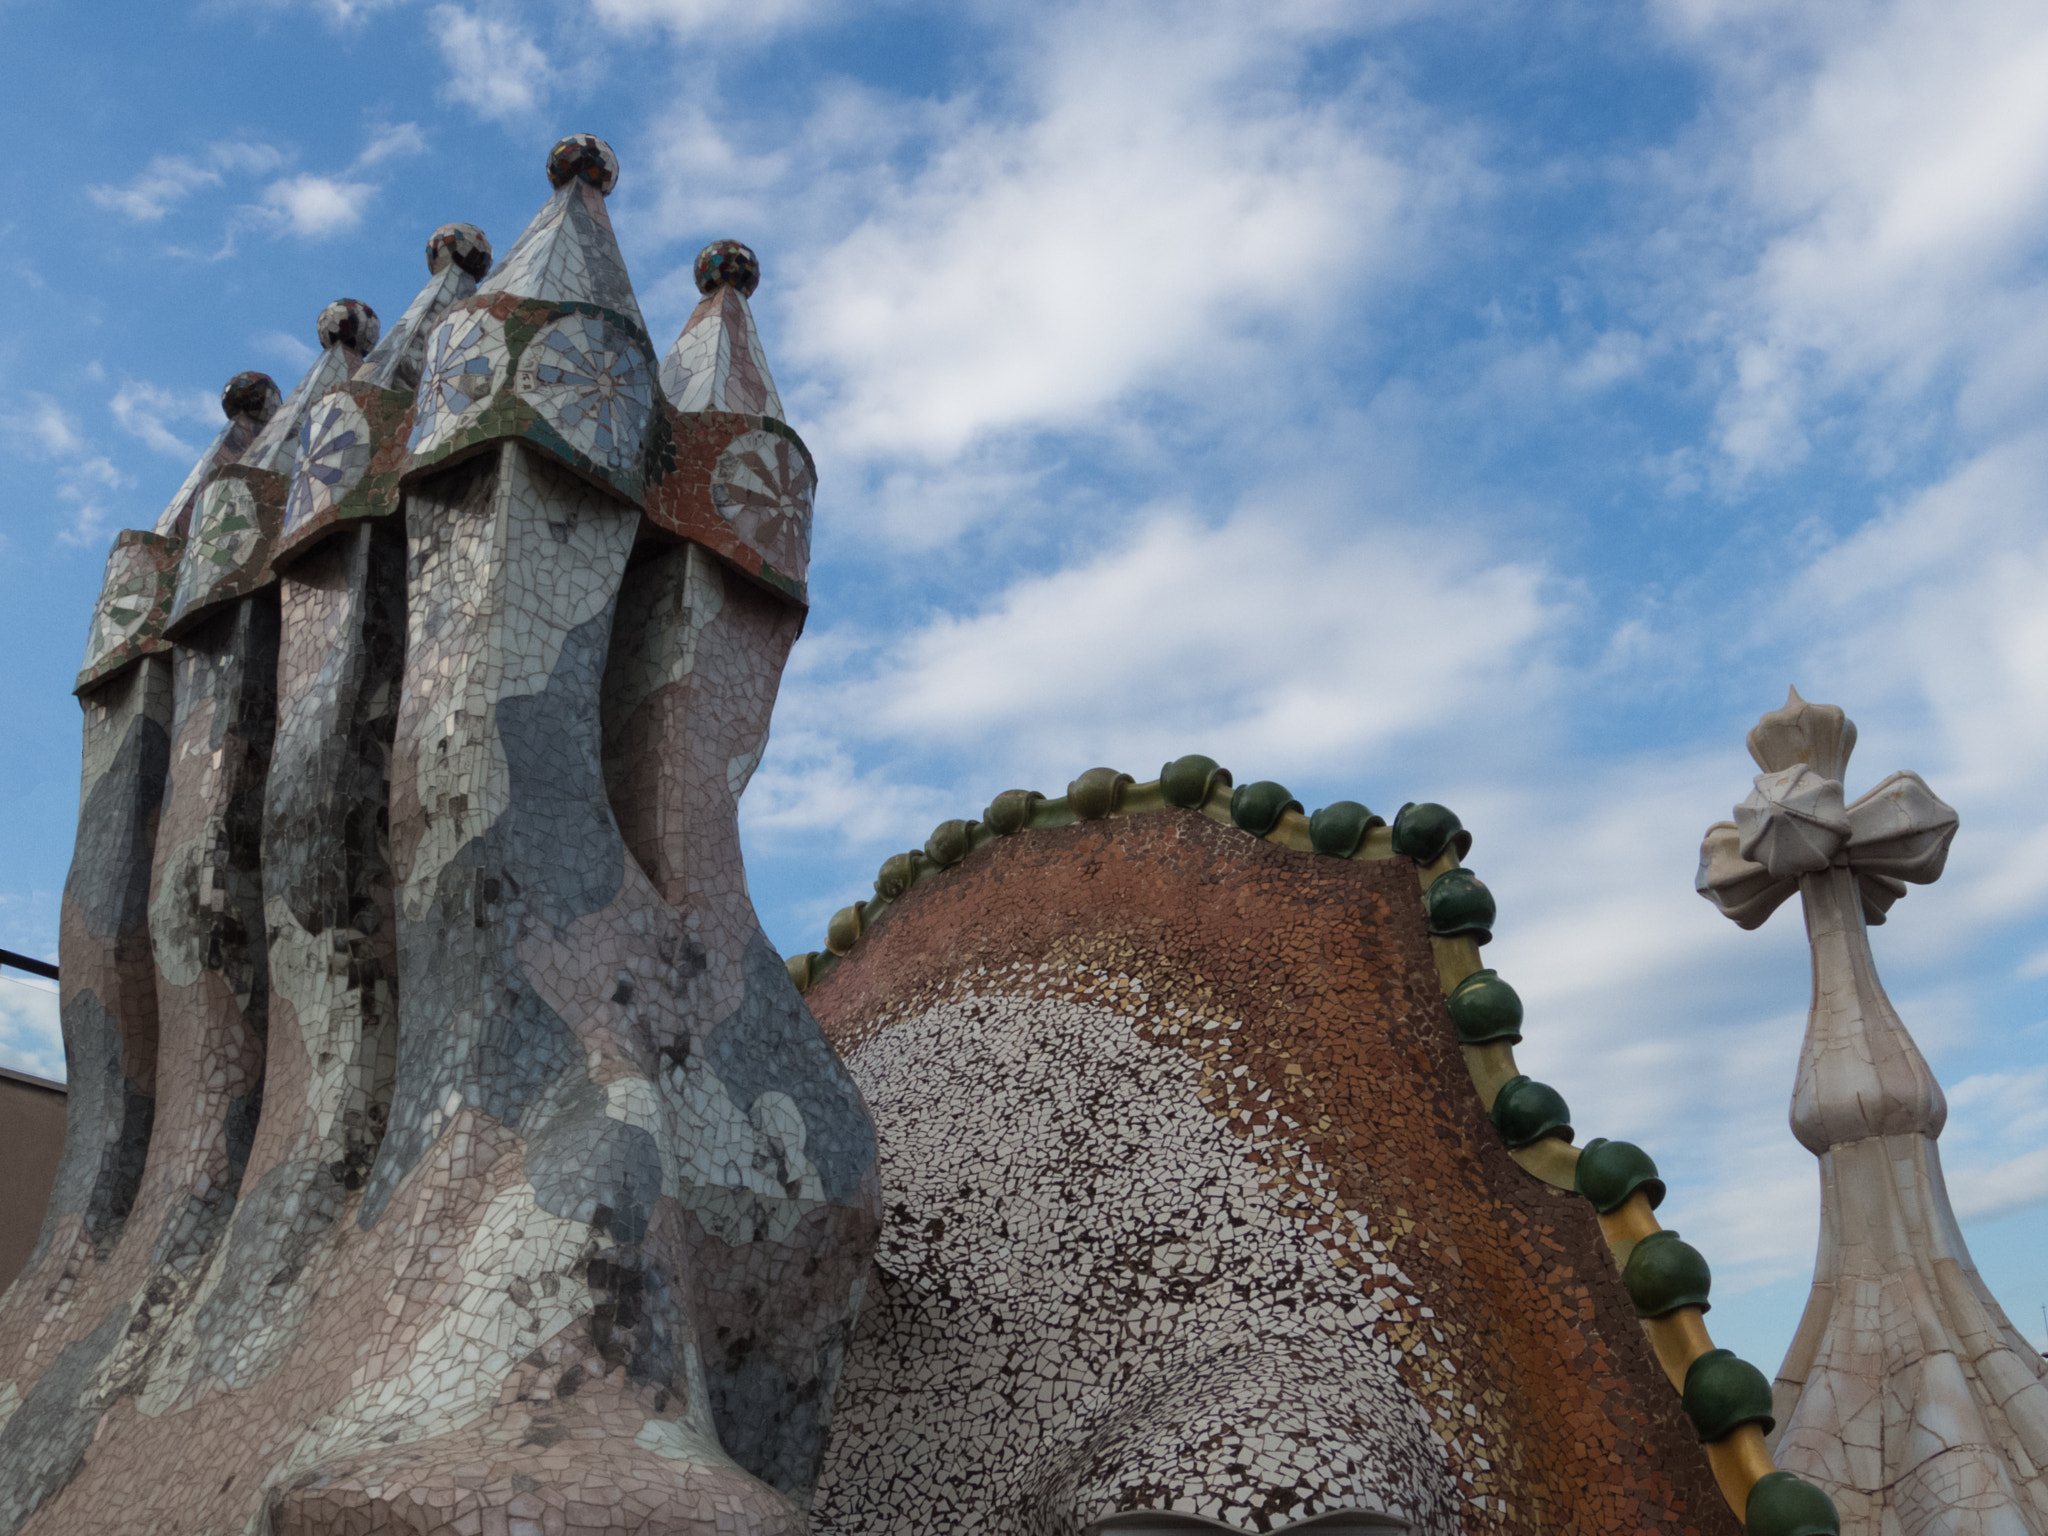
(727, 263)
(250, 396)
(352, 323)
(462, 245)
(585, 155)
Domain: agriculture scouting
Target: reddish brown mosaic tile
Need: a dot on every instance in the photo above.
(1323, 1046)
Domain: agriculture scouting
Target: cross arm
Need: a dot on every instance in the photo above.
(1794, 823)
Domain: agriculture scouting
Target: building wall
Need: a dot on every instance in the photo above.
(31, 1136)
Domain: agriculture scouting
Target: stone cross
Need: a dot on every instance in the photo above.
(1906, 1394)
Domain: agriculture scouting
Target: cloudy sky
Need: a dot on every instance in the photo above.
(1495, 404)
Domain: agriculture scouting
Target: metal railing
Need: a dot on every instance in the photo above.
(34, 967)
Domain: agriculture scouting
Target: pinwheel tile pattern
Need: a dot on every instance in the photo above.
(465, 358)
(333, 457)
(591, 383)
(764, 487)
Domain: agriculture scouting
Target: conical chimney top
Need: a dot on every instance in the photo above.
(457, 255)
(345, 328)
(718, 363)
(248, 400)
(568, 254)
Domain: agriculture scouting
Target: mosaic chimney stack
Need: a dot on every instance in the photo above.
(688, 689)
(206, 889)
(1906, 1394)
(331, 936)
(544, 1198)
(104, 1241)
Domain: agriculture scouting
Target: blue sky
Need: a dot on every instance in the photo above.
(1492, 404)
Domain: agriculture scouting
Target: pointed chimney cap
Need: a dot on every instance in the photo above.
(250, 397)
(461, 245)
(729, 264)
(350, 322)
(587, 156)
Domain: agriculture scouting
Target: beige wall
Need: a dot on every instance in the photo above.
(31, 1136)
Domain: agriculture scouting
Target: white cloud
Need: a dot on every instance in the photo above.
(292, 350)
(338, 14)
(687, 18)
(494, 64)
(1979, 1194)
(1186, 623)
(400, 141)
(170, 179)
(1996, 1148)
(1167, 214)
(1890, 164)
(31, 1033)
(1270, 646)
(146, 410)
(83, 486)
(307, 204)
(349, 13)
(918, 505)
(1613, 356)
(84, 475)
(1147, 204)
(52, 428)
(810, 781)
(316, 206)
(705, 171)
(1869, 186)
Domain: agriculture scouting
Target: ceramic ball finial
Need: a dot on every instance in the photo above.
(587, 156)
(461, 245)
(250, 396)
(729, 264)
(350, 322)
